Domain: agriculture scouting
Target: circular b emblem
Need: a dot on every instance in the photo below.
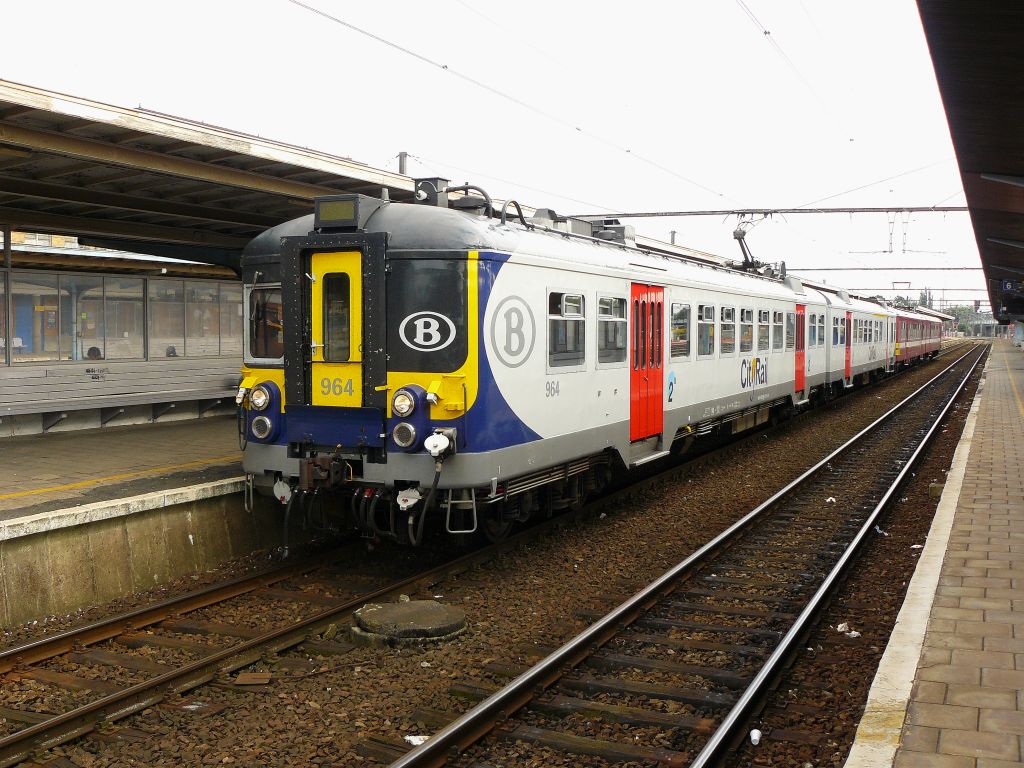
(513, 331)
(427, 331)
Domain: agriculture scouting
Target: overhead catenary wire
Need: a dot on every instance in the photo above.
(508, 97)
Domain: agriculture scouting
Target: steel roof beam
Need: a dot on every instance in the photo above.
(68, 194)
(102, 152)
(27, 219)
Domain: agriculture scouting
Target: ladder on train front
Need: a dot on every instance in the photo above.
(464, 502)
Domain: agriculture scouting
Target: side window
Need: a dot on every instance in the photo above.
(728, 330)
(764, 330)
(821, 330)
(842, 332)
(611, 330)
(835, 331)
(705, 330)
(566, 337)
(790, 330)
(746, 330)
(777, 330)
(680, 330)
(813, 335)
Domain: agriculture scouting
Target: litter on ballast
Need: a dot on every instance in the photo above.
(415, 739)
(917, 546)
(755, 737)
(425, 664)
(830, 500)
(853, 634)
(879, 530)
(844, 627)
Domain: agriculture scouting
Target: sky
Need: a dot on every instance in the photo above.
(584, 107)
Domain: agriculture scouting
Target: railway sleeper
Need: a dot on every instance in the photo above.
(610, 750)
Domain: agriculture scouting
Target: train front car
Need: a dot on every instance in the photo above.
(363, 399)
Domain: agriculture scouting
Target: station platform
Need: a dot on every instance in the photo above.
(949, 692)
(47, 472)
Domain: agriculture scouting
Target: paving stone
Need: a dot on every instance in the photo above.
(907, 759)
(920, 738)
(1001, 720)
(943, 716)
(979, 696)
(986, 659)
(1003, 746)
(930, 692)
(946, 673)
(1003, 678)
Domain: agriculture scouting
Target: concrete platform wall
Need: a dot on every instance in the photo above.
(56, 563)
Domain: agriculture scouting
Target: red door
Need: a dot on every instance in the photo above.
(801, 346)
(849, 345)
(647, 352)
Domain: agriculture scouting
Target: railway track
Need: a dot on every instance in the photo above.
(211, 649)
(667, 676)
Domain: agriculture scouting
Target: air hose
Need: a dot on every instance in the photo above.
(416, 531)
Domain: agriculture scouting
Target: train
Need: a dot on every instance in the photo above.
(439, 368)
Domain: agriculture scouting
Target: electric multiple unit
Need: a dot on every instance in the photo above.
(429, 367)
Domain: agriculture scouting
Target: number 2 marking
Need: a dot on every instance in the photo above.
(337, 387)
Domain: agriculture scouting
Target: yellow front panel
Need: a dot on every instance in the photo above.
(335, 382)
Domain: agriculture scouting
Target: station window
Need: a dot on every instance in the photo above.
(813, 335)
(125, 318)
(266, 329)
(566, 337)
(34, 336)
(230, 319)
(680, 346)
(3, 317)
(728, 343)
(611, 330)
(337, 322)
(790, 330)
(777, 330)
(746, 330)
(80, 309)
(705, 330)
(202, 320)
(166, 318)
(821, 330)
(764, 330)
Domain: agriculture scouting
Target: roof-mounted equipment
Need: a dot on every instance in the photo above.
(343, 213)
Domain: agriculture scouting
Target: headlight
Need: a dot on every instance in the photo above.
(403, 403)
(259, 398)
(404, 434)
(261, 427)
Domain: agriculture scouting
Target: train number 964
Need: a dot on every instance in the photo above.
(336, 387)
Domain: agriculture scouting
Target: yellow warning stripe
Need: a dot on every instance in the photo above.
(1016, 392)
(123, 476)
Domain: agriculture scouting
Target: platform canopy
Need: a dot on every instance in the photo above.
(141, 181)
(977, 51)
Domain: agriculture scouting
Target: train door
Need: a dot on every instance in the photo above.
(801, 352)
(646, 408)
(890, 343)
(848, 370)
(335, 349)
